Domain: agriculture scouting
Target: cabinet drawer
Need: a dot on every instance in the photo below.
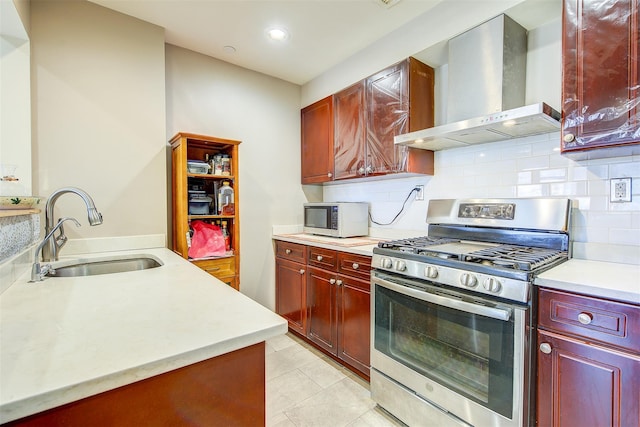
(291, 251)
(354, 265)
(324, 258)
(610, 322)
(220, 267)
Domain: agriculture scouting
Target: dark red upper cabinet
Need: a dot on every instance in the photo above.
(600, 92)
(316, 122)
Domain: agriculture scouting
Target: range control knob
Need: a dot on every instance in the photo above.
(401, 265)
(431, 272)
(385, 263)
(468, 280)
(492, 285)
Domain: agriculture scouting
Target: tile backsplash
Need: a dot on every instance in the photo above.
(17, 233)
(518, 168)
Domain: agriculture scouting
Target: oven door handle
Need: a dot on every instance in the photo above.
(493, 312)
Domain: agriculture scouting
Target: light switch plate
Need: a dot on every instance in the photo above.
(620, 190)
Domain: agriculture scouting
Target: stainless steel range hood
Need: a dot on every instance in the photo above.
(486, 75)
(515, 123)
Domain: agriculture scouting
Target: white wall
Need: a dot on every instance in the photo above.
(210, 97)
(99, 115)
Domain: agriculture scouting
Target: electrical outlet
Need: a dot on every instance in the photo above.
(420, 192)
(620, 190)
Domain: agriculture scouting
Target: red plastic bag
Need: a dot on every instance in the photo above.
(207, 240)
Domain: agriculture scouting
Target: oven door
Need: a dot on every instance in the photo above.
(460, 352)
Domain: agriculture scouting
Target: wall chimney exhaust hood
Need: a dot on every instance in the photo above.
(487, 67)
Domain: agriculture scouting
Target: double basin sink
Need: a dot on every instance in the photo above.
(108, 265)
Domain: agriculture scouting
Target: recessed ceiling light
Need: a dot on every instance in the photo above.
(278, 34)
(386, 3)
(229, 49)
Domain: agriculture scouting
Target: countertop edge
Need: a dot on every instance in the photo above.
(15, 410)
(364, 249)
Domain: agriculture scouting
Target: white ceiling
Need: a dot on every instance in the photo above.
(323, 33)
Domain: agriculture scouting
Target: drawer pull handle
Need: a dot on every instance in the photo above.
(355, 265)
(213, 268)
(585, 318)
(332, 281)
(329, 174)
(319, 257)
(545, 348)
(302, 271)
(339, 282)
(287, 251)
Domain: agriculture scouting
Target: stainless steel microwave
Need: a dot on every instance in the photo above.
(337, 219)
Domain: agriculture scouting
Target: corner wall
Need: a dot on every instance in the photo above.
(211, 97)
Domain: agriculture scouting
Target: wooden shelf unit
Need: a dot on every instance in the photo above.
(188, 146)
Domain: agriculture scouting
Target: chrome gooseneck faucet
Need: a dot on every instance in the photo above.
(55, 243)
(38, 271)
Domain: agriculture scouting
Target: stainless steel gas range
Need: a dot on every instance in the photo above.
(452, 311)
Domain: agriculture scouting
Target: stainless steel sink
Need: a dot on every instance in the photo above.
(108, 266)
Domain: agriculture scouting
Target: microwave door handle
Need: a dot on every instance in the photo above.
(495, 313)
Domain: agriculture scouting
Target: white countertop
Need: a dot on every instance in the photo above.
(64, 339)
(596, 278)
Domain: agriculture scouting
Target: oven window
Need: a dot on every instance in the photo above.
(465, 352)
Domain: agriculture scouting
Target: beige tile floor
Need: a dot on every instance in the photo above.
(307, 388)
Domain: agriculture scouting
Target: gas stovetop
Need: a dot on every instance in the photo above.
(502, 256)
(492, 246)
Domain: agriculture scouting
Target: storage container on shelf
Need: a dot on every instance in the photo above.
(226, 164)
(226, 197)
(199, 205)
(197, 166)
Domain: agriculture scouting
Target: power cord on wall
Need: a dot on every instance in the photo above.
(416, 189)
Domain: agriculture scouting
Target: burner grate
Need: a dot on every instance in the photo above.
(515, 257)
(415, 244)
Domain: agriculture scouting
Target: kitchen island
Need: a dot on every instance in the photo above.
(64, 340)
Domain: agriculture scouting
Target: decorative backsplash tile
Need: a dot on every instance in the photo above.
(17, 233)
(525, 167)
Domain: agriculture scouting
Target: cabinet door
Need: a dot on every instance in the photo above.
(321, 308)
(349, 128)
(291, 294)
(399, 100)
(600, 74)
(582, 384)
(317, 142)
(354, 322)
(387, 116)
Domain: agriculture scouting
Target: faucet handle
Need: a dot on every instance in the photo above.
(62, 238)
(36, 270)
